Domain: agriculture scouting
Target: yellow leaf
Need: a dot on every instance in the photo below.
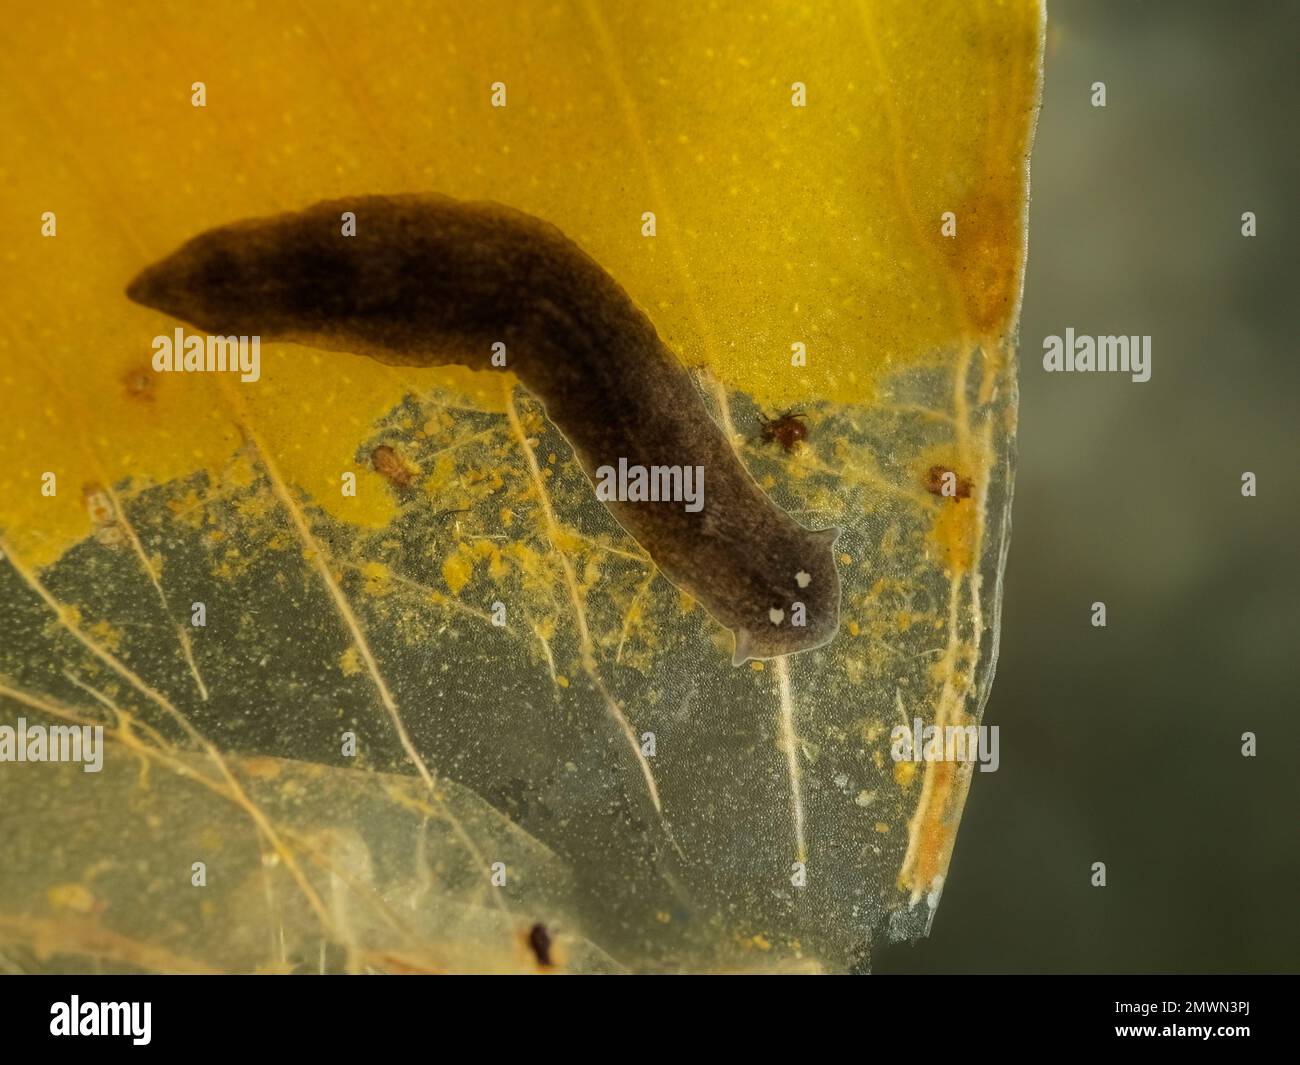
(838, 195)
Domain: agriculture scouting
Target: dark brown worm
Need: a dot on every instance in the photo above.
(428, 281)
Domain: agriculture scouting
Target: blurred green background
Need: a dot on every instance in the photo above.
(1123, 744)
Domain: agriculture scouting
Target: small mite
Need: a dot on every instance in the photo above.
(390, 466)
(539, 941)
(787, 430)
(942, 481)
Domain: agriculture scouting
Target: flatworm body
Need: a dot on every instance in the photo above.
(427, 280)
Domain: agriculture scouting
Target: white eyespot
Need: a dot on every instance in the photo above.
(803, 579)
(776, 615)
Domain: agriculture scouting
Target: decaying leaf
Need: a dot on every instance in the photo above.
(546, 731)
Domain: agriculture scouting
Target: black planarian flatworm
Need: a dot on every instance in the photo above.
(427, 281)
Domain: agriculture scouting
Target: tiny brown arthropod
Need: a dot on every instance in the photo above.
(942, 481)
(389, 465)
(539, 941)
(787, 429)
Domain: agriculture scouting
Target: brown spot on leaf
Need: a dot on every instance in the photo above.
(960, 486)
(139, 384)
